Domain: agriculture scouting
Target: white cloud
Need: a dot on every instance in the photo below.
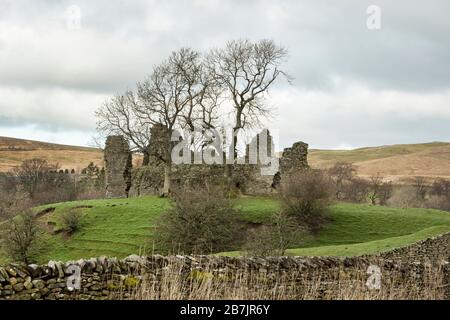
(355, 116)
(53, 108)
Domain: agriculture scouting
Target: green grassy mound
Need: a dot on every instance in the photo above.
(120, 227)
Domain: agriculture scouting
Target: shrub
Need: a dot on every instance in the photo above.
(404, 197)
(441, 187)
(379, 191)
(44, 183)
(356, 190)
(19, 236)
(274, 239)
(342, 174)
(438, 202)
(420, 187)
(305, 195)
(200, 221)
(440, 195)
(71, 220)
(12, 198)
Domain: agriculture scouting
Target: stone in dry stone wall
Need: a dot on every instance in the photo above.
(118, 165)
(434, 249)
(107, 278)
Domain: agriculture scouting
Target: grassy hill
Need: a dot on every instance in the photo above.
(121, 227)
(395, 162)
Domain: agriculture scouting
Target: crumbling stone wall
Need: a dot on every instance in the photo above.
(294, 158)
(252, 178)
(261, 166)
(159, 140)
(102, 278)
(118, 165)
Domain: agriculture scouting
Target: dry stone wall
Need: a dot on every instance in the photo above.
(104, 278)
(435, 249)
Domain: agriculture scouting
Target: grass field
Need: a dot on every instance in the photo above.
(121, 227)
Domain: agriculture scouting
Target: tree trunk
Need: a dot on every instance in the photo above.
(146, 159)
(167, 180)
(235, 142)
(167, 171)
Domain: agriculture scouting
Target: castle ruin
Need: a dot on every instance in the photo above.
(256, 177)
(118, 165)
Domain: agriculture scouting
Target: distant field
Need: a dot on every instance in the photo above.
(397, 162)
(14, 151)
(120, 227)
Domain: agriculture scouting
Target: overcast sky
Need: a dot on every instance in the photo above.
(352, 86)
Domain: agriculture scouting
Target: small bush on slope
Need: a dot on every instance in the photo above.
(200, 221)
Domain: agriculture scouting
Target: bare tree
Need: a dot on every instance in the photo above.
(177, 95)
(357, 190)
(13, 198)
(119, 115)
(341, 172)
(33, 172)
(247, 70)
(379, 191)
(375, 185)
(441, 187)
(420, 186)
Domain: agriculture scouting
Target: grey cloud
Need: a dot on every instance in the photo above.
(120, 41)
(329, 44)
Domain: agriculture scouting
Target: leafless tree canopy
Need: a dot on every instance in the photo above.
(119, 116)
(247, 70)
(420, 186)
(379, 190)
(186, 90)
(342, 173)
(179, 93)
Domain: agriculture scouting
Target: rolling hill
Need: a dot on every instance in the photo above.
(14, 151)
(395, 162)
(120, 227)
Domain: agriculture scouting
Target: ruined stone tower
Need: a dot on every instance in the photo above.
(294, 158)
(118, 164)
(263, 141)
(159, 140)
